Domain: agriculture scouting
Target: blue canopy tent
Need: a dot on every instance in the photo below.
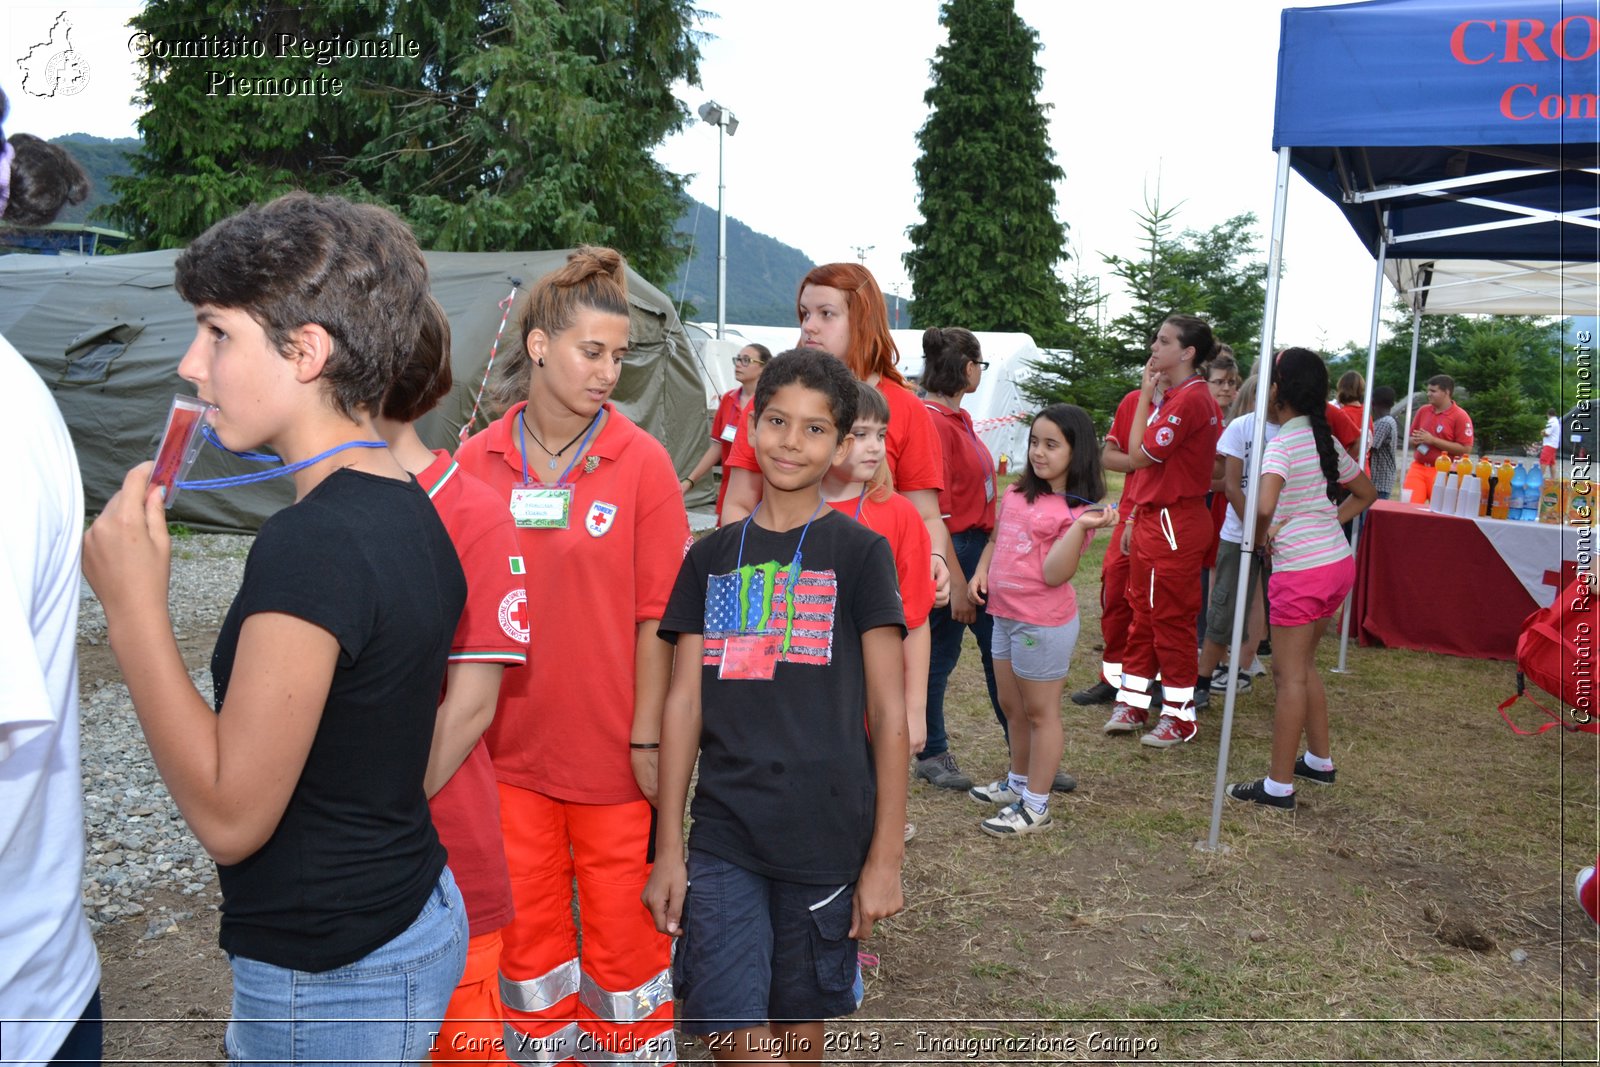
(1446, 131)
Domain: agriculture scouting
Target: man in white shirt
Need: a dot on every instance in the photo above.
(49, 972)
(1552, 442)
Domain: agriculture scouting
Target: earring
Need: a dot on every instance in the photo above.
(539, 361)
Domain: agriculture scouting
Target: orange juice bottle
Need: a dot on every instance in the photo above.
(1485, 468)
(1502, 491)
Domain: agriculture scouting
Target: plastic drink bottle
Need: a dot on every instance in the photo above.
(1519, 493)
(1485, 469)
(1501, 508)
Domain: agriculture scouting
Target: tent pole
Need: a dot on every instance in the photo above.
(1411, 376)
(1372, 369)
(1263, 366)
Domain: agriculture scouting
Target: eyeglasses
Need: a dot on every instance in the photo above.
(744, 361)
(981, 363)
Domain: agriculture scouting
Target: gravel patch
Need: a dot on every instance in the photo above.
(137, 841)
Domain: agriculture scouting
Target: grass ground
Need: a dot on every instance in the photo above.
(1419, 911)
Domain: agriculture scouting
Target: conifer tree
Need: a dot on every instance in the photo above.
(985, 255)
(514, 124)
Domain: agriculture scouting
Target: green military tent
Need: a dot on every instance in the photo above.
(106, 334)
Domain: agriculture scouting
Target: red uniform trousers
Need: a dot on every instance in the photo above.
(614, 1003)
(473, 1030)
(1169, 544)
(1116, 614)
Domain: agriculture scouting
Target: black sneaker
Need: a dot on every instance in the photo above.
(1063, 783)
(1101, 692)
(941, 771)
(1256, 793)
(1264, 649)
(1202, 693)
(1302, 769)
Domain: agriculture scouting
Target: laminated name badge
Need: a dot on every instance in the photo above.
(180, 443)
(541, 507)
(750, 657)
(730, 433)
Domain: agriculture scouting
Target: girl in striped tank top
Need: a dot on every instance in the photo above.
(1312, 569)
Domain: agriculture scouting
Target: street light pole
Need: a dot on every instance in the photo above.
(723, 120)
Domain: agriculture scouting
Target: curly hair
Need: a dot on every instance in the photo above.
(353, 269)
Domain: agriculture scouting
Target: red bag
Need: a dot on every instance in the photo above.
(1557, 652)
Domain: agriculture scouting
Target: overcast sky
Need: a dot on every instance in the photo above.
(1175, 96)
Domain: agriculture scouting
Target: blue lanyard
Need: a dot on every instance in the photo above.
(862, 499)
(216, 442)
(288, 468)
(522, 431)
(1081, 500)
(750, 612)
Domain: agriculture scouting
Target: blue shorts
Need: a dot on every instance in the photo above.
(755, 950)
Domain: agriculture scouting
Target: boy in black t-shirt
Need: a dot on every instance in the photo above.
(787, 625)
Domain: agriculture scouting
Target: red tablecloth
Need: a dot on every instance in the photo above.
(1461, 586)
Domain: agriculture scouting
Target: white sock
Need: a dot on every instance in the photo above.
(1017, 782)
(1277, 789)
(1035, 802)
(1317, 763)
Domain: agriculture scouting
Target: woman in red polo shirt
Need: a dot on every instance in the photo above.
(952, 367)
(725, 424)
(842, 311)
(601, 526)
(1176, 448)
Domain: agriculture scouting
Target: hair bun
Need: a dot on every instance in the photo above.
(590, 261)
(932, 341)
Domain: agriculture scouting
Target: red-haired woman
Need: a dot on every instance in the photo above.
(842, 311)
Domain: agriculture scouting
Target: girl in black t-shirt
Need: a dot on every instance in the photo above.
(306, 784)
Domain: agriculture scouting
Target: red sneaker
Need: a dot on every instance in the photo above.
(1125, 719)
(1170, 731)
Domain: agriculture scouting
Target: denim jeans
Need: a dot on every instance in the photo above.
(945, 636)
(383, 1008)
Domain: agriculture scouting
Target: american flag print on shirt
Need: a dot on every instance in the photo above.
(765, 585)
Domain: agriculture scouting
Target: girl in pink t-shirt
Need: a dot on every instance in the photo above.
(1298, 524)
(1042, 525)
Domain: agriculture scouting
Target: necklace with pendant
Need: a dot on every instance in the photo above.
(555, 456)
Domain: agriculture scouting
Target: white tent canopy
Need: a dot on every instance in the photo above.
(1496, 286)
(999, 410)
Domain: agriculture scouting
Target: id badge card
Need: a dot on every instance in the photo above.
(988, 487)
(541, 507)
(730, 433)
(750, 657)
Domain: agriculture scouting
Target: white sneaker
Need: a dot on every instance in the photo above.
(1255, 670)
(996, 792)
(1014, 820)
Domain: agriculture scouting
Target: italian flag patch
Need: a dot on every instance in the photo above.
(516, 565)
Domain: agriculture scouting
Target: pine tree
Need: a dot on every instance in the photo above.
(985, 255)
(512, 124)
